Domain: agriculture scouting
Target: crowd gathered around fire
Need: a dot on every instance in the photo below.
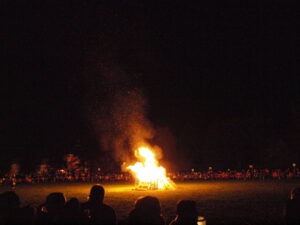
(86, 176)
(147, 210)
(75, 171)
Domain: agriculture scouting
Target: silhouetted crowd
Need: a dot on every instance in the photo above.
(245, 174)
(147, 210)
(99, 177)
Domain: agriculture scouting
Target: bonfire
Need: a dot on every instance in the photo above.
(149, 175)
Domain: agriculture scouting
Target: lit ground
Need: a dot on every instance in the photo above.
(222, 202)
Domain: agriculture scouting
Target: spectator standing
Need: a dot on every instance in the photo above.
(51, 211)
(72, 213)
(96, 210)
(187, 213)
(147, 211)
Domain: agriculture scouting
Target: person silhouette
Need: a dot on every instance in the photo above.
(292, 208)
(9, 208)
(147, 211)
(186, 213)
(72, 213)
(51, 211)
(96, 210)
(12, 213)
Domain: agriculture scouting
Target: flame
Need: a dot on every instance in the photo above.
(147, 172)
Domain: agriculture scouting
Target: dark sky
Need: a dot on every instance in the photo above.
(221, 79)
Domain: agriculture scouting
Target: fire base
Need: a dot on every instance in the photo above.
(151, 186)
(145, 186)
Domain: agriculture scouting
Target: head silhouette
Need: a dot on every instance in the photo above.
(146, 211)
(72, 212)
(10, 208)
(55, 202)
(295, 194)
(148, 204)
(97, 193)
(187, 212)
(72, 205)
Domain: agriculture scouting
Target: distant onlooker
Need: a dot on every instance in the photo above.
(147, 211)
(186, 213)
(97, 211)
(292, 208)
(51, 211)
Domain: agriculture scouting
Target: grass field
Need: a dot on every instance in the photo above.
(221, 202)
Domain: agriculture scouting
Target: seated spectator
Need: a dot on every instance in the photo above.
(72, 213)
(186, 213)
(147, 211)
(51, 211)
(292, 209)
(9, 208)
(97, 211)
(12, 213)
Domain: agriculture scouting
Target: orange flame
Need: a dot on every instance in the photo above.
(148, 173)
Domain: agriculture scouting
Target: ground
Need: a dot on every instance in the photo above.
(220, 202)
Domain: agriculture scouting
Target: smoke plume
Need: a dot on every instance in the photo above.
(122, 123)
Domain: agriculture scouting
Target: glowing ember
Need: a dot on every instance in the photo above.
(147, 172)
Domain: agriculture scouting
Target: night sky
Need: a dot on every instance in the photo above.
(221, 79)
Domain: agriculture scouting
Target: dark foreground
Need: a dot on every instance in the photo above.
(221, 202)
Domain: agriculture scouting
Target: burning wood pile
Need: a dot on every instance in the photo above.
(149, 175)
